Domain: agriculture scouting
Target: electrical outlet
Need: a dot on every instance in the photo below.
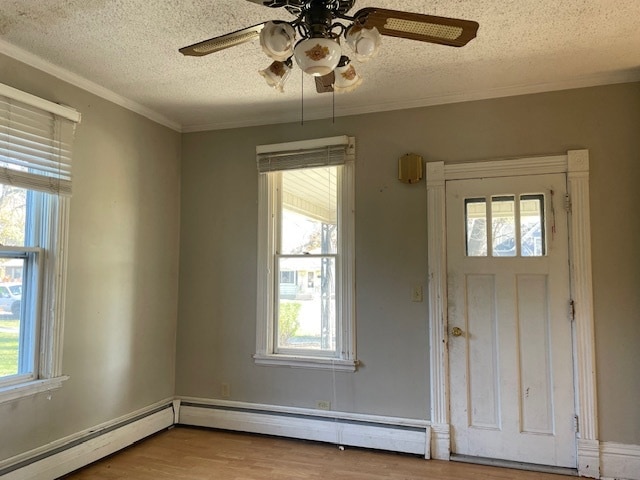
(225, 390)
(324, 405)
(416, 294)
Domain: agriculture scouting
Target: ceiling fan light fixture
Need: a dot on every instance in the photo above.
(346, 77)
(277, 40)
(364, 42)
(317, 56)
(277, 74)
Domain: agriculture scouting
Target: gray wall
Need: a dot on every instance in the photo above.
(119, 342)
(132, 213)
(216, 328)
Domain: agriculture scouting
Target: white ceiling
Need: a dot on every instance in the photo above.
(127, 51)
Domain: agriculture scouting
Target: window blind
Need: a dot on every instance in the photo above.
(305, 154)
(35, 144)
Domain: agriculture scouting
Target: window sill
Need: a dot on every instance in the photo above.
(21, 390)
(317, 363)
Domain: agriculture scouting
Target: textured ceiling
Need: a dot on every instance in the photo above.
(127, 51)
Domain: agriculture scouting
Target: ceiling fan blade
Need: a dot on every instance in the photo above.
(223, 41)
(415, 26)
(324, 83)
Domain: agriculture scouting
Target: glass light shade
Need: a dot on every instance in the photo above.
(317, 56)
(277, 40)
(364, 42)
(277, 74)
(346, 78)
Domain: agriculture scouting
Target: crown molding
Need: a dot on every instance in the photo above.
(610, 78)
(76, 80)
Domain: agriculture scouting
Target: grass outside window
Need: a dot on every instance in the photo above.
(9, 332)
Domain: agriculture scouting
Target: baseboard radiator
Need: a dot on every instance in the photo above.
(342, 429)
(69, 454)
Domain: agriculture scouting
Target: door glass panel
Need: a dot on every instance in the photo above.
(532, 234)
(503, 226)
(513, 231)
(476, 227)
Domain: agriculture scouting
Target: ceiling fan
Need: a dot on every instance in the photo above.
(320, 25)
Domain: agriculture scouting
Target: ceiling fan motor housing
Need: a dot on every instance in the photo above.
(296, 7)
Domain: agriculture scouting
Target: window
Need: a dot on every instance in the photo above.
(35, 186)
(306, 254)
(517, 227)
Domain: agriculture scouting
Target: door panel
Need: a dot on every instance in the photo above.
(484, 386)
(511, 374)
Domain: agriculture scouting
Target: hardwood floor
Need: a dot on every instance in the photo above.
(198, 454)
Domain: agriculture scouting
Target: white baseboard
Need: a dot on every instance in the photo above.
(620, 461)
(368, 431)
(71, 453)
(440, 441)
(588, 458)
(615, 461)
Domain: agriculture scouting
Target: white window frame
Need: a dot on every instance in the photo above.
(47, 256)
(268, 217)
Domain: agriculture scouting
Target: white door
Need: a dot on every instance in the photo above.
(510, 334)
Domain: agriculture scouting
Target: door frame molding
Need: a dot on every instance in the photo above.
(575, 164)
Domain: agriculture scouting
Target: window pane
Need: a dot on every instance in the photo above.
(532, 238)
(10, 316)
(307, 310)
(476, 225)
(309, 211)
(13, 213)
(503, 226)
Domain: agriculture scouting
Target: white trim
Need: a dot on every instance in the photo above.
(37, 102)
(368, 431)
(54, 293)
(437, 248)
(441, 441)
(588, 457)
(266, 242)
(76, 451)
(576, 165)
(347, 215)
(582, 296)
(324, 363)
(620, 461)
(506, 168)
(176, 410)
(34, 61)
(14, 392)
(580, 234)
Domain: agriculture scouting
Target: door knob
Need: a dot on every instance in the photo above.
(456, 332)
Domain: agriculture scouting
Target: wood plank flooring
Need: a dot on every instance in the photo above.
(199, 454)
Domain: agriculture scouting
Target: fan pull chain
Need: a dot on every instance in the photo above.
(302, 98)
(333, 105)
